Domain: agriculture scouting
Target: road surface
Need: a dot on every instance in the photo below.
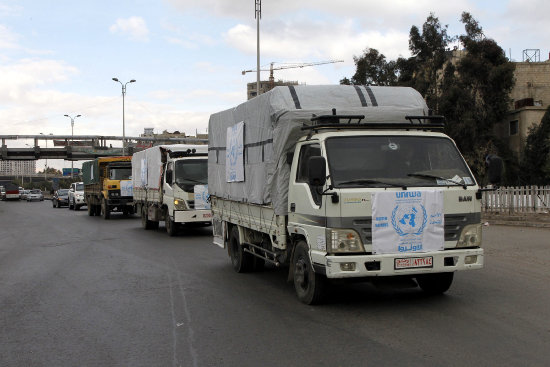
(82, 291)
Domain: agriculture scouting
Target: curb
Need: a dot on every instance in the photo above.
(541, 220)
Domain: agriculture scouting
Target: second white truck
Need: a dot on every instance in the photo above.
(170, 184)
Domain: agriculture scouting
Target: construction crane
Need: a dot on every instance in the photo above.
(289, 66)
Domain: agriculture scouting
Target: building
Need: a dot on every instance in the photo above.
(265, 86)
(17, 168)
(529, 100)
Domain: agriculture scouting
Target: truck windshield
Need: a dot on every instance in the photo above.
(120, 173)
(191, 172)
(79, 187)
(386, 161)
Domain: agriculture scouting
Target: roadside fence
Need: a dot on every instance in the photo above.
(517, 200)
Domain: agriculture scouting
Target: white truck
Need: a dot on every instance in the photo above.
(343, 182)
(170, 184)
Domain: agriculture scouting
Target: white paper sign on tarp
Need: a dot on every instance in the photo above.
(234, 167)
(144, 172)
(126, 188)
(202, 199)
(407, 222)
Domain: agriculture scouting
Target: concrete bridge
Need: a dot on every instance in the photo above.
(82, 147)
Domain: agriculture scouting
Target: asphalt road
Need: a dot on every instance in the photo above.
(81, 291)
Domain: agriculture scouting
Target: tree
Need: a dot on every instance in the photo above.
(536, 155)
(429, 54)
(475, 94)
(51, 171)
(372, 69)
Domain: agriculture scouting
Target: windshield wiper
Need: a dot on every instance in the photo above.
(371, 181)
(426, 175)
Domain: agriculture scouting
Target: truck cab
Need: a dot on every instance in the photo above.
(183, 174)
(336, 208)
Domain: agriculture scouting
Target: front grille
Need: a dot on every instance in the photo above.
(454, 223)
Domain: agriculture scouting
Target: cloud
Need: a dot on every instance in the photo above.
(21, 80)
(134, 28)
(310, 41)
(8, 39)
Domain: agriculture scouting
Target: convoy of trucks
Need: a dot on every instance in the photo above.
(108, 186)
(333, 182)
(170, 184)
(342, 182)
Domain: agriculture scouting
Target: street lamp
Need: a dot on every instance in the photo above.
(72, 139)
(123, 128)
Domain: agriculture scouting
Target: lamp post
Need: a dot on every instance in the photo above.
(123, 128)
(46, 162)
(72, 139)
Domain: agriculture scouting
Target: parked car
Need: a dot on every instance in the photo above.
(35, 194)
(60, 198)
(76, 195)
(23, 194)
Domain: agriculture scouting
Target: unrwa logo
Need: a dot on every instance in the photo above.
(409, 219)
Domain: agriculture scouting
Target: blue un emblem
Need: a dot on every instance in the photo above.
(409, 219)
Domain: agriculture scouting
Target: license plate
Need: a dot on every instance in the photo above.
(414, 262)
(207, 215)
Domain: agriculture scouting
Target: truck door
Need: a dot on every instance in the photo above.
(306, 207)
(167, 187)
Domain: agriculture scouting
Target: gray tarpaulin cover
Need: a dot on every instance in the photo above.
(147, 164)
(272, 126)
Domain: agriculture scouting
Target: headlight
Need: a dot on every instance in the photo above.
(343, 241)
(179, 204)
(470, 236)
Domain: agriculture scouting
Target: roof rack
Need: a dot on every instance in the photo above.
(335, 121)
(186, 153)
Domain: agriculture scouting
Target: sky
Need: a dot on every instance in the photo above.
(58, 57)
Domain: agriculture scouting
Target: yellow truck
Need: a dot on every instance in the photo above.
(108, 186)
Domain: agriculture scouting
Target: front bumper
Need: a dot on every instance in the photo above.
(79, 200)
(384, 265)
(190, 216)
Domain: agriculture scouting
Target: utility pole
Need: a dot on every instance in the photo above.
(123, 122)
(258, 16)
(72, 141)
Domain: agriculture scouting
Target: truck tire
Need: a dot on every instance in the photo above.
(71, 206)
(434, 284)
(105, 213)
(171, 226)
(76, 207)
(242, 262)
(97, 210)
(145, 222)
(91, 210)
(308, 284)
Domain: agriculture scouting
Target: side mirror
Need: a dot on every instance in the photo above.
(494, 169)
(169, 177)
(317, 171)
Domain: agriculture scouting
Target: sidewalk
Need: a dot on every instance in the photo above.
(539, 220)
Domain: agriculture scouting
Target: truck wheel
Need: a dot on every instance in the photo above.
(70, 206)
(76, 207)
(91, 210)
(145, 222)
(171, 226)
(435, 283)
(97, 210)
(242, 262)
(308, 284)
(105, 213)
